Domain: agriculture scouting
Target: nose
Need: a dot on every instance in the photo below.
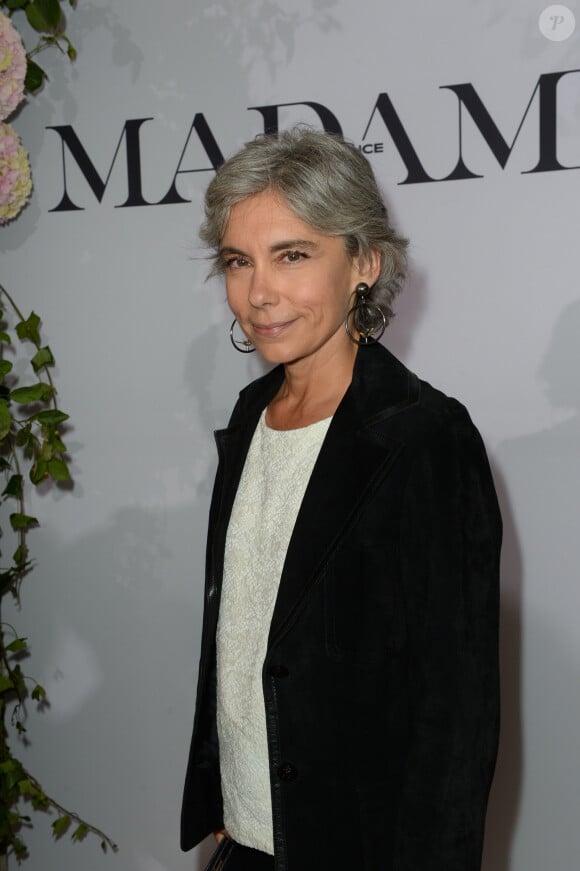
(261, 290)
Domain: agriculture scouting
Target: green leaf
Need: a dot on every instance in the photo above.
(34, 78)
(5, 337)
(60, 826)
(7, 579)
(43, 357)
(5, 683)
(20, 556)
(25, 436)
(71, 51)
(51, 417)
(58, 470)
(44, 15)
(13, 487)
(80, 832)
(39, 392)
(5, 419)
(18, 680)
(11, 770)
(38, 693)
(38, 472)
(17, 646)
(22, 521)
(56, 444)
(44, 453)
(37, 796)
(28, 329)
(16, 4)
(52, 11)
(5, 367)
(26, 787)
(19, 847)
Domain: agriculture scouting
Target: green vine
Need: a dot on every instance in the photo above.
(31, 446)
(30, 435)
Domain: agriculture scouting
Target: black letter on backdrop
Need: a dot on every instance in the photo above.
(207, 139)
(70, 139)
(548, 162)
(415, 172)
(270, 115)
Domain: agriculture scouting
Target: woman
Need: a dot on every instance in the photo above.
(347, 707)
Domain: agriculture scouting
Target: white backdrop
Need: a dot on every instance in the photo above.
(491, 314)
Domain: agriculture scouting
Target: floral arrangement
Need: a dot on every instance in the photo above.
(15, 180)
(30, 435)
(12, 68)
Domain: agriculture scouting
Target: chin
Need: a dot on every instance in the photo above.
(275, 355)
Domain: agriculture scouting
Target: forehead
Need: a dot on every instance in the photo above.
(264, 215)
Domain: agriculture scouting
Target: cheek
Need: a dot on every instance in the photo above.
(234, 294)
(329, 292)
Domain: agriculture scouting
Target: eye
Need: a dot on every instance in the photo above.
(236, 262)
(294, 256)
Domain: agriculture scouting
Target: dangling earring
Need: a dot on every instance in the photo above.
(244, 346)
(368, 319)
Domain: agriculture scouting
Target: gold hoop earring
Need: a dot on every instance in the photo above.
(244, 346)
(368, 319)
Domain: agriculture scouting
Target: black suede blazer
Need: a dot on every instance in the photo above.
(381, 675)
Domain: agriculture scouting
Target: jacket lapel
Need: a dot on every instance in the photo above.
(354, 457)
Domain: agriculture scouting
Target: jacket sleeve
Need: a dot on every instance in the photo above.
(450, 543)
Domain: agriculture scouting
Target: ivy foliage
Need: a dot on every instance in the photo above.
(31, 446)
(48, 19)
(32, 453)
(30, 433)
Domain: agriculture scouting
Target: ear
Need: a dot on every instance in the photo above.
(368, 267)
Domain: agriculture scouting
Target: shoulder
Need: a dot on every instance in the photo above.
(409, 407)
(439, 427)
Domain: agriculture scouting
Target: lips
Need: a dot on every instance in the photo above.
(271, 330)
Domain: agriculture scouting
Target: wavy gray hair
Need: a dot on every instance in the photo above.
(327, 183)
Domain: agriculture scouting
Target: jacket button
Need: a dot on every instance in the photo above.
(287, 772)
(279, 671)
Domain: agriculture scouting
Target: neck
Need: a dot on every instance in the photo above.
(313, 387)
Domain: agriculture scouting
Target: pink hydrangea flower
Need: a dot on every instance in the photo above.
(12, 67)
(15, 181)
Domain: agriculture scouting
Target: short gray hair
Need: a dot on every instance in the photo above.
(327, 183)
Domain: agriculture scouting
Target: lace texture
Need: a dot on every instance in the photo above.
(271, 489)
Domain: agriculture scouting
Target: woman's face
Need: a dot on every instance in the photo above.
(288, 285)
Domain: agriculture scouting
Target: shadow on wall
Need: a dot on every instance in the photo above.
(265, 40)
(118, 627)
(409, 309)
(542, 471)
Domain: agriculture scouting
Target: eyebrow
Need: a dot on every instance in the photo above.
(284, 245)
(293, 243)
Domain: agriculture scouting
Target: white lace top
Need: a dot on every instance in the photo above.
(271, 489)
